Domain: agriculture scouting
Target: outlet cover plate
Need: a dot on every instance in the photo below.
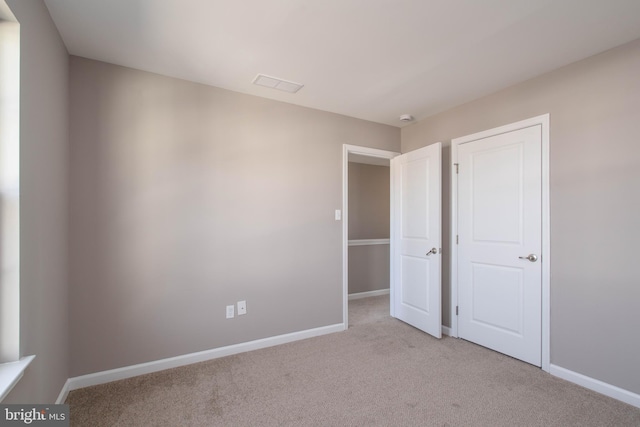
(230, 311)
(242, 308)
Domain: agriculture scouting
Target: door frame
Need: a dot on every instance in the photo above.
(543, 121)
(368, 152)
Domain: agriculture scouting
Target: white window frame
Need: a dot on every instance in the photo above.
(12, 366)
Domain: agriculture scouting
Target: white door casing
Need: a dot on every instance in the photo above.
(367, 152)
(416, 239)
(500, 212)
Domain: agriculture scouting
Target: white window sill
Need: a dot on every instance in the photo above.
(10, 374)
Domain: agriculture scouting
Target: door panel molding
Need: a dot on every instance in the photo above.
(417, 238)
(543, 121)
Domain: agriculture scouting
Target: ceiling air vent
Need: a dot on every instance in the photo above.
(276, 83)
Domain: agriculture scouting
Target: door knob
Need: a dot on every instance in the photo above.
(432, 251)
(531, 257)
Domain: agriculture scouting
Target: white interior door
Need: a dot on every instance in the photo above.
(499, 242)
(416, 239)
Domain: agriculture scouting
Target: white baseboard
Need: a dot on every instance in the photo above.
(187, 359)
(618, 393)
(63, 393)
(368, 294)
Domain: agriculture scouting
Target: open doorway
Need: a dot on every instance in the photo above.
(366, 224)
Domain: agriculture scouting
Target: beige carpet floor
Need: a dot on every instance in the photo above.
(381, 372)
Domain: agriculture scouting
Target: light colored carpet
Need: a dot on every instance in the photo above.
(379, 372)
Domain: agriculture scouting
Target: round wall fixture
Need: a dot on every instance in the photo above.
(406, 118)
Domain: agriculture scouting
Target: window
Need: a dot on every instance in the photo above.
(11, 366)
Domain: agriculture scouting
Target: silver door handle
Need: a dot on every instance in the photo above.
(432, 251)
(531, 257)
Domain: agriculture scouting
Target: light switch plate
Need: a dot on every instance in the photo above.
(338, 215)
(230, 311)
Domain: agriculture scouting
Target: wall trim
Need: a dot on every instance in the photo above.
(601, 387)
(188, 359)
(64, 392)
(367, 242)
(367, 294)
(103, 377)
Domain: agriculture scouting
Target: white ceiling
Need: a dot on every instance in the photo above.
(370, 59)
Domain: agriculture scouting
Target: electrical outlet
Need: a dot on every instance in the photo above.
(242, 308)
(230, 311)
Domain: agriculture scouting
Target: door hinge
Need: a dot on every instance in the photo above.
(456, 239)
(456, 165)
(456, 310)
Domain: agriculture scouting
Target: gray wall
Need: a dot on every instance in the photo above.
(186, 198)
(43, 204)
(368, 268)
(368, 201)
(594, 108)
(369, 209)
